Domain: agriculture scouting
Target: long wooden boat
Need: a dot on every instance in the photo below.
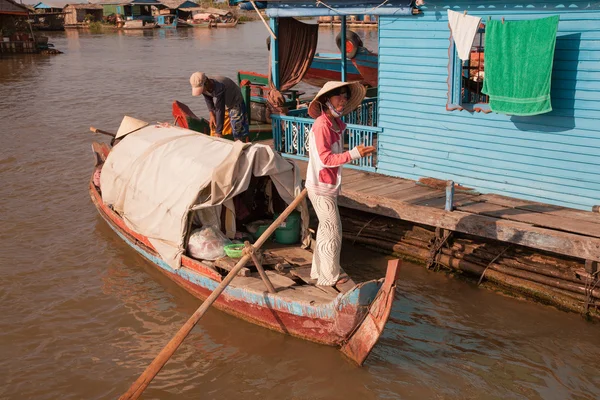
(326, 67)
(231, 24)
(138, 24)
(185, 118)
(352, 319)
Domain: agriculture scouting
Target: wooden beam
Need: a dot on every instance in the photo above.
(519, 233)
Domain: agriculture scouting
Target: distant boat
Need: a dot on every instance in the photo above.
(194, 23)
(170, 21)
(230, 24)
(139, 24)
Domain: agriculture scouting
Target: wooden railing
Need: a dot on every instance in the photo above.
(290, 137)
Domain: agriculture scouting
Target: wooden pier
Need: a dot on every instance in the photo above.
(546, 252)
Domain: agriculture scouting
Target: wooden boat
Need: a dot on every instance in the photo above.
(185, 118)
(138, 24)
(228, 24)
(352, 319)
(326, 67)
(195, 23)
(170, 21)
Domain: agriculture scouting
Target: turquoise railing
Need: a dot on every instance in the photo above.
(365, 114)
(290, 137)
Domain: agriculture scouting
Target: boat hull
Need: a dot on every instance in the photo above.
(327, 67)
(327, 323)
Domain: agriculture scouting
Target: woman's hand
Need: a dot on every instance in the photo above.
(365, 150)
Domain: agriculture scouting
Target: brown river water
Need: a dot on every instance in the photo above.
(82, 315)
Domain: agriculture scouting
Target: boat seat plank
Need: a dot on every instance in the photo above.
(304, 274)
(293, 293)
(534, 218)
(228, 263)
(294, 255)
(279, 282)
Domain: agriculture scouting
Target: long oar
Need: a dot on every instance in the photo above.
(96, 130)
(161, 359)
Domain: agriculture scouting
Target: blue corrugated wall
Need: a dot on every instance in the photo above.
(552, 158)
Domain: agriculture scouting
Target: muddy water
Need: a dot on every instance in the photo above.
(81, 315)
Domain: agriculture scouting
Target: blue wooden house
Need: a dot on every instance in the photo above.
(430, 118)
(133, 9)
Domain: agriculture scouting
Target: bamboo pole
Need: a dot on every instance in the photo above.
(263, 19)
(260, 269)
(138, 387)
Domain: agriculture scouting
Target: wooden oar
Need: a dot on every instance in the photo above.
(96, 130)
(161, 359)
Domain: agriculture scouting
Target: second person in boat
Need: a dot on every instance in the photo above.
(324, 172)
(220, 94)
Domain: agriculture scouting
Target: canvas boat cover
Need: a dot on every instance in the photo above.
(157, 175)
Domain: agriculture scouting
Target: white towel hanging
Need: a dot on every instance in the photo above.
(464, 28)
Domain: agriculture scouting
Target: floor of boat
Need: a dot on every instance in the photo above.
(288, 269)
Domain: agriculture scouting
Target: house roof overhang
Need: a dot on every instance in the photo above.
(303, 8)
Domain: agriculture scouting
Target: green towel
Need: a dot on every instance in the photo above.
(518, 65)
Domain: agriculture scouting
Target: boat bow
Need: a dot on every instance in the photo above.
(363, 339)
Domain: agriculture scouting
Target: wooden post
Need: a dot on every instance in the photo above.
(274, 22)
(449, 196)
(343, 49)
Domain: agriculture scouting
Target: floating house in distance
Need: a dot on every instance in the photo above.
(47, 18)
(42, 8)
(175, 7)
(79, 15)
(131, 10)
(14, 29)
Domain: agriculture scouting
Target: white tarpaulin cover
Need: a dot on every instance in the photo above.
(155, 176)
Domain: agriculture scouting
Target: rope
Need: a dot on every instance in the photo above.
(361, 229)
(319, 2)
(495, 258)
(437, 245)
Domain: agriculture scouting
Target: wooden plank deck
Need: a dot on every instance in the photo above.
(541, 226)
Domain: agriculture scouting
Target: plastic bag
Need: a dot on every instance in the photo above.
(207, 243)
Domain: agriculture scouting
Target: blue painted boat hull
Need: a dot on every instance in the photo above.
(331, 323)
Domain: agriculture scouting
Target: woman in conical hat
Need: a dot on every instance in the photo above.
(324, 172)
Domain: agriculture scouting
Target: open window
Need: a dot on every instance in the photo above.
(465, 79)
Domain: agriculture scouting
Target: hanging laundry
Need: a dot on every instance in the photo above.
(518, 65)
(464, 28)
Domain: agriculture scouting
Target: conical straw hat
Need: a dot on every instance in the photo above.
(129, 125)
(357, 94)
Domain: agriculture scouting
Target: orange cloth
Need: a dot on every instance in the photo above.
(226, 126)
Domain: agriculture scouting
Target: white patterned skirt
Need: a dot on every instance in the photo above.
(326, 255)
